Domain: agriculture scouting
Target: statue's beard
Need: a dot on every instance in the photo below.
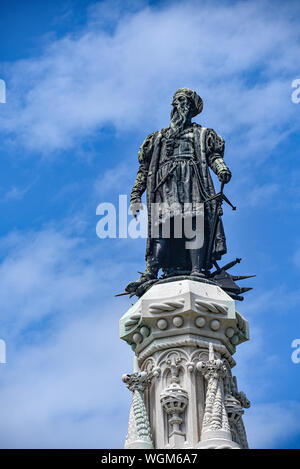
(179, 118)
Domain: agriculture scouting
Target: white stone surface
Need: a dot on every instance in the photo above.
(171, 329)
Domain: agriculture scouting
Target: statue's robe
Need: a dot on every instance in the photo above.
(208, 153)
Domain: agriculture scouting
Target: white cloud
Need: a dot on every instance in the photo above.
(110, 182)
(253, 194)
(67, 391)
(296, 258)
(262, 194)
(271, 425)
(241, 58)
(61, 386)
(15, 193)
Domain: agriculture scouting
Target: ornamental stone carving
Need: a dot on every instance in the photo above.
(215, 425)
(174, 400)
(186, 397)
(139, 433)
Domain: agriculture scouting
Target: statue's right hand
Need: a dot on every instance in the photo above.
(225, 176)
(135, 207)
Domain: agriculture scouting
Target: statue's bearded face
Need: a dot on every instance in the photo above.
(182, 111)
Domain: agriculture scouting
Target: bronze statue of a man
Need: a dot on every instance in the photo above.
(174, 170)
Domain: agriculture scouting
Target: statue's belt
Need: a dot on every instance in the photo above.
(177, 159)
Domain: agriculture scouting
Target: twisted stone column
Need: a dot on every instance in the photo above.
(139, 433)
(215, 425)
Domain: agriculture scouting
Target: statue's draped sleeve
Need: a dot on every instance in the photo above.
(215, 146)
(144, 157)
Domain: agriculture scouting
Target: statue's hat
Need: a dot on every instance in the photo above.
(193, 96)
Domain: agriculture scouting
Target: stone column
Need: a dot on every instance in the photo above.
(215, 425)
(139, 433)
(184, 334)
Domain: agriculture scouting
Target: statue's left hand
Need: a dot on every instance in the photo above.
(135, 207)
(225, 176)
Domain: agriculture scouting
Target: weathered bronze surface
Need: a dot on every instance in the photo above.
(174, 170)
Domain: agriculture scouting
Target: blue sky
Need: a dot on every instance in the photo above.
(86, 82)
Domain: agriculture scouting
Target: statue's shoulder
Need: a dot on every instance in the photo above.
(197, 126)
(214, 141)
(199, 130)
(210, 133)
(147, 140)
(151, 137)
(213, 133)
(146, 148)
(162, 133)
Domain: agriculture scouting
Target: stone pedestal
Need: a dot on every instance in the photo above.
(184, 334)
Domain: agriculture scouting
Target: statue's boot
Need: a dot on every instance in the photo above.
(197, 257)
(133, 286)
(150, 273)
(153, 265)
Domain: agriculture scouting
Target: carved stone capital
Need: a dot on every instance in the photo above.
(183, 311)
(212, 369)
(136, 381)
